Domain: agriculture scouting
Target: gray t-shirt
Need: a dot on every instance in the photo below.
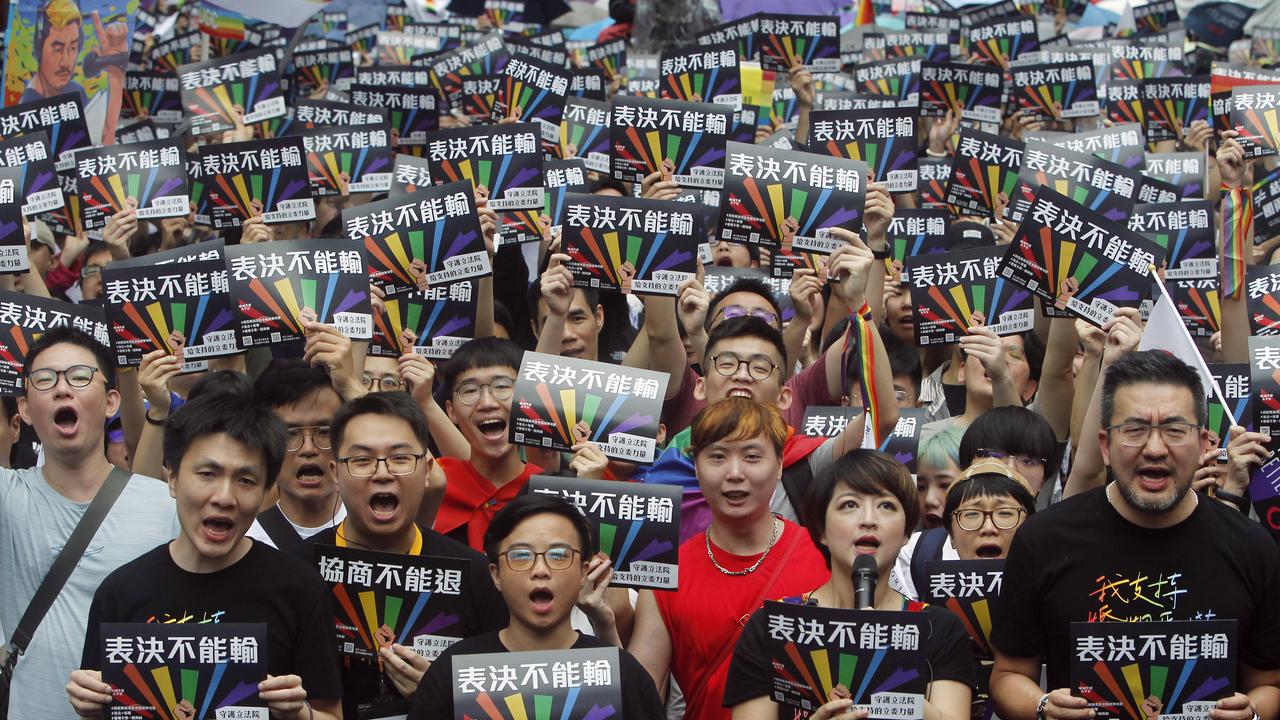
(35, 522)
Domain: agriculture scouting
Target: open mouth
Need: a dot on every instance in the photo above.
(742, 393)
(310, 475)
(572, 352)
(867, 545)
(724, 261)
(217, 529)
(1154, 478)
(384, 506)
(736, 496)
(541, 600)
(989, 551)
(932, 520)
(494, 429)
(66, 420)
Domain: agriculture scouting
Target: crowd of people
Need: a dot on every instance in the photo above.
(1087, 465)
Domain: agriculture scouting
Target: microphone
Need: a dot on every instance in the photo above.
(865, 575)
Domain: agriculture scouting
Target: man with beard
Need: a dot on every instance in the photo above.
(1182, 556)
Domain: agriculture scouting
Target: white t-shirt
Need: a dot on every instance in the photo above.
(35, 522)
(900, 576)
(258, 533)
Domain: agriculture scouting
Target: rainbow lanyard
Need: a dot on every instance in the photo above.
(1237, 223)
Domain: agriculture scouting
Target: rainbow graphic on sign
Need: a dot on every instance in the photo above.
(147, 326)
(326, 169)
(1199, 308)
(937, 98)
(1001, 50)
(765, 206)
(981, 180)
(610, 249)
(426, 318)
(1166, 117)
(566, 407)
(641, 152)
(1260, 126)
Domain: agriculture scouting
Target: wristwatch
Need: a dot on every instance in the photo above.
(1044, 700)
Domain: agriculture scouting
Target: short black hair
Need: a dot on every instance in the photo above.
(234, 415)
(10, 405)
(222, 382)
(746, 326)
(747, 284)
(479, 353)
(985, 485)
(286, 382)
(1158, 368)
(73, 336)
(866, 471)
(527, 506)
(904, 359)
(1016, 431)
(95, 247)
(502, 316)
(395, 404)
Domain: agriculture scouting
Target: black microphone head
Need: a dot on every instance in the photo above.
(866, 565)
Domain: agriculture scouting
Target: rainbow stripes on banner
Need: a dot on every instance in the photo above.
(883, 138)
(170, 300)
(1156, 677)
(25, 318)
(1172, 104)
(636, 524)
(211, 90)
(695, 145)
(152, 94)
(1233, 381)
(702, 73)
(1198, 304)
(152, 174)
(611, 56)
(420, 601)
(983, 167)
(267, 176)
(971, 90)
(1091, 279)
(347, 160)
(531, 694)
(62, 116)
(968, 588)
(1255, 116)
(620, 405)
(1236, 217)
(138, 661)
(956, 290)
(611, 248)
(441, 319)
(172, 54)
(273, 283)
(505, 159)
(1065, 90)
(808, 663)
(585, 126)
(800, 205)
(317, 68)
(811, 40)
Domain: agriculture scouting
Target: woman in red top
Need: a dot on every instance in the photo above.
(746, 556)
(863, 504)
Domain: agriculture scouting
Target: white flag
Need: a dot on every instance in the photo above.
(1165, 331)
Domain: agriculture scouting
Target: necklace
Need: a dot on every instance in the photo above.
(772, 539)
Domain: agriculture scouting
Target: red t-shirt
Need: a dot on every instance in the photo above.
(471, 500)
(706, 615)
(808, 387)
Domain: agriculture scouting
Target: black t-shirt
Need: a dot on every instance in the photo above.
(434, 698)
(362, 683)
(751, 671)
(264, 586)
(1081, 561)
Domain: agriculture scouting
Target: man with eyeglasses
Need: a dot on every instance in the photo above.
(744, 359)
(539, 548)
(380, 461)
(1144, 547)
(70, 392)
(304, 398)
(479, 381)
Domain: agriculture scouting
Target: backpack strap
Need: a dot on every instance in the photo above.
(279, 529)
(928, 548)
